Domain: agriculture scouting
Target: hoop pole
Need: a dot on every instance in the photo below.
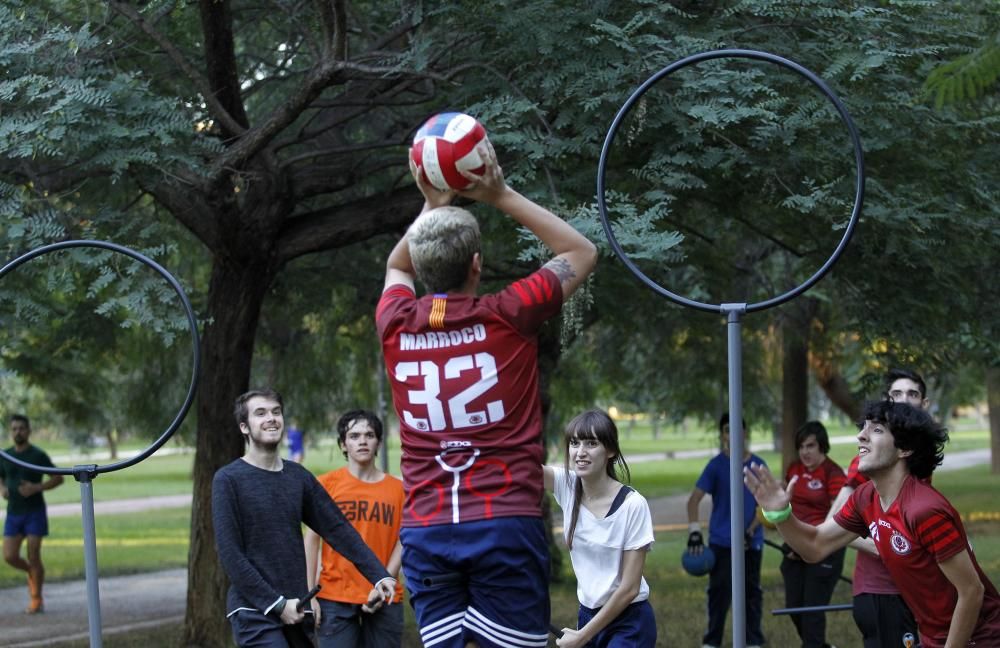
(736, 445)
(85, 475)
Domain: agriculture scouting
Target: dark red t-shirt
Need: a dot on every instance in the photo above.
(870, 575)
(464, 376)
(919, 530)
(816, 489)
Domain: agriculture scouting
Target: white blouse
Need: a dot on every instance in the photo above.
(599, 544)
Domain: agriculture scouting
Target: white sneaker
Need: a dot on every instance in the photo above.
(711, 646)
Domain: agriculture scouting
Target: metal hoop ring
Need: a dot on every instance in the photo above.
(196, 355)
(748, 54)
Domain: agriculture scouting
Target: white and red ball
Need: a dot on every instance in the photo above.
(446, 144)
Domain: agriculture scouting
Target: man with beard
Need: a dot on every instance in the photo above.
(918, 533)
(259, 503)
(26, 514)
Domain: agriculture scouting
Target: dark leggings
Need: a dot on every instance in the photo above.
(811, 584)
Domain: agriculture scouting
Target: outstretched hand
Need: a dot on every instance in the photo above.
(767, 490)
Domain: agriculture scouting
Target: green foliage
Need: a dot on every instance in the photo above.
(730, 182)
(970, 75)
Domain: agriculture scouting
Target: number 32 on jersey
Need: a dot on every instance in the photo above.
(430, 396)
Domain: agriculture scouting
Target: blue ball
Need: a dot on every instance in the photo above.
(698, 565)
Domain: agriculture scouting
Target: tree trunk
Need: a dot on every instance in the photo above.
(235, 297)
(828, 378)
(993, 403)
(112, 437)
(794, 383)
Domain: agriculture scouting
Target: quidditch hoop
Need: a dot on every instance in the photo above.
(748, 54)
(196, 352)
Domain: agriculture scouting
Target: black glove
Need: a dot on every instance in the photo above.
(695, 540)
(747, 540)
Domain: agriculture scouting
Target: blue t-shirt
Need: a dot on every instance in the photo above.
(714, 481)
(295, 442)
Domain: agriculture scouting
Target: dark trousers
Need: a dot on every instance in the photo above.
(885, 621)
(720, 595)
(809, 584)
(252, 629)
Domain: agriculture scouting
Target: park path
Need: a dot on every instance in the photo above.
(158, 598)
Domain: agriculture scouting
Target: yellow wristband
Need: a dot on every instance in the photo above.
(776, 517)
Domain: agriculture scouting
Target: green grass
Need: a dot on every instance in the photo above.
(126, 544)
(159, 539)
(678, 599)
(157, 475)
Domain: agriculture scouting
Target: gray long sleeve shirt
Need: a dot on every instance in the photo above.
(258, 516)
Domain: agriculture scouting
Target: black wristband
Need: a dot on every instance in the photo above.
(279, 607)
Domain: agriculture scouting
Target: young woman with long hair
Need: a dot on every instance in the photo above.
(608, 529)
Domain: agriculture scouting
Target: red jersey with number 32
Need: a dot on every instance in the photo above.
(919, 530)
(464, 376)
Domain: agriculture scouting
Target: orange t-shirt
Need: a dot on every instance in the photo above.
(375, 511)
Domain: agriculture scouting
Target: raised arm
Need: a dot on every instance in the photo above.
(812, 543)
(575, 256)
(861, 544)
(399, 266)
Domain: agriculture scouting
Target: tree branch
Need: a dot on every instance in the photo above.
(215, 107)
(253, 140)
(345, 224)
(339, 30)
(189, 209)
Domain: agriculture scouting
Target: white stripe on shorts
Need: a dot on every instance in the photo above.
(442, 629)
(502, 635)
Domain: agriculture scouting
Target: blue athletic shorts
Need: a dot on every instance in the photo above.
(485, 581)
(34, 523)
(635, 627)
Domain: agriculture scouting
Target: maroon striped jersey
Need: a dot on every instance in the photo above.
(464, 377)
(870, 575)
(919, 530)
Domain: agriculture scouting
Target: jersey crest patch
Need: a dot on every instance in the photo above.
(815, 484)
(899, 543)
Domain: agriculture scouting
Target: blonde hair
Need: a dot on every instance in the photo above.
(442, 243)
